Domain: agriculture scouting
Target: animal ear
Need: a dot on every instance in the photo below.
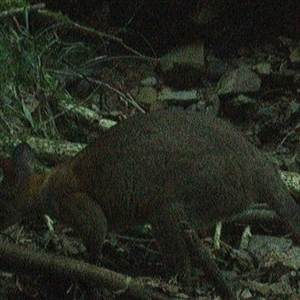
(23, 157)
(22, 162)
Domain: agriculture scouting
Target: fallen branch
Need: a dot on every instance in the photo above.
(19, 260)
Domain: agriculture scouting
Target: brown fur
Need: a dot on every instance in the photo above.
(174, 169)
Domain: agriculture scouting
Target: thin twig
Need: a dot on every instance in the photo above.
(14, 11)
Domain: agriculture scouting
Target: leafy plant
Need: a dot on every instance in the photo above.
(30, 84)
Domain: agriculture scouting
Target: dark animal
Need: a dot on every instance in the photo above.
(173, 169)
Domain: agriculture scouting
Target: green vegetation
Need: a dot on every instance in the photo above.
(32, 75)
(9, 4)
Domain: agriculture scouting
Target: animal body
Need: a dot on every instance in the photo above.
(172, 169)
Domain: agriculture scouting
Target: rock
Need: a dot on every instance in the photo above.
(241, 80)
(183, 68)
